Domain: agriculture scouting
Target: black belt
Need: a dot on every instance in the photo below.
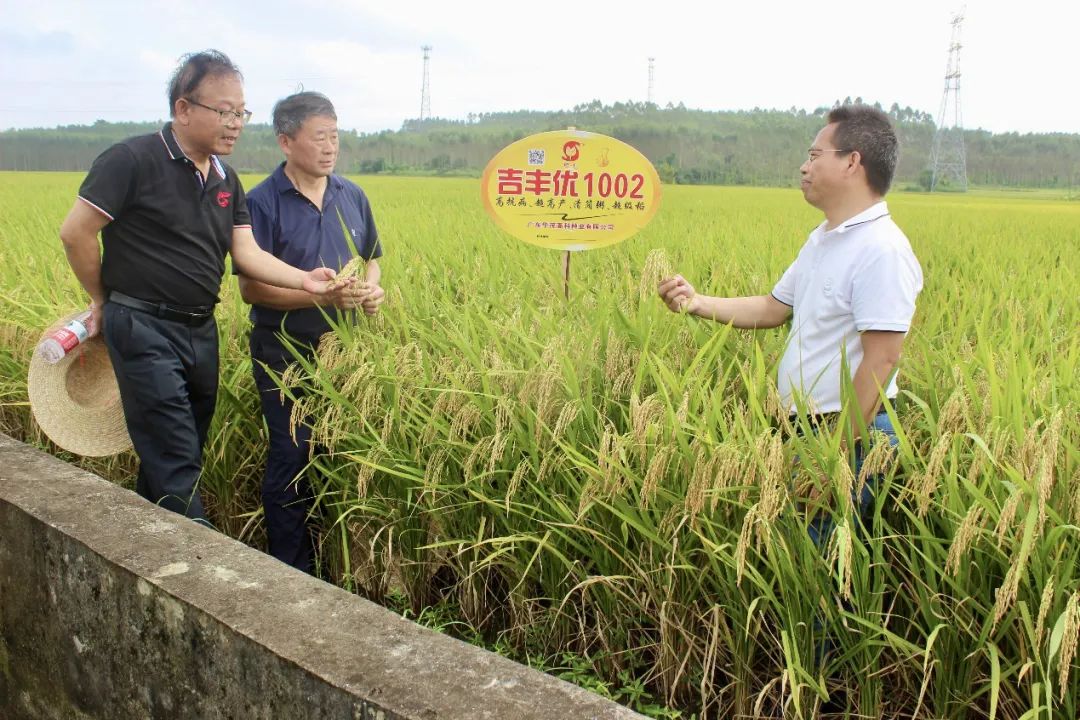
(176, 313)
(820, 420)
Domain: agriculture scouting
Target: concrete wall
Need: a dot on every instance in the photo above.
(112, 608)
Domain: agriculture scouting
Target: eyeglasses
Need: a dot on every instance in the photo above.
(814, 153)
(226, 116)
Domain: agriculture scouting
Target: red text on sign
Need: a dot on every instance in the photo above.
(563, 183)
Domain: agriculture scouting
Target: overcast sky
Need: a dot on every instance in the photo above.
(64, 62)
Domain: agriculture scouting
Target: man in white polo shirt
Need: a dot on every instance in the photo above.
(850, 292)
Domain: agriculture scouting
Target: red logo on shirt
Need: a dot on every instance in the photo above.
(223, 198)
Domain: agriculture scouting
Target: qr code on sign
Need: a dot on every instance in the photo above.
(536, 157)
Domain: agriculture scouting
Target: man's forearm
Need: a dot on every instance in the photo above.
(84, 257)
(265, 268)
(742, 312)
(871, 378)
(277, 298)
(373, 273)
(881, 354)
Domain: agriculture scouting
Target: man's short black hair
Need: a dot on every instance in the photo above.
(193, 69)
(291, 112)
(869, 131)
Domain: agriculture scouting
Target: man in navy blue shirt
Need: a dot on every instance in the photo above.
(297, 215)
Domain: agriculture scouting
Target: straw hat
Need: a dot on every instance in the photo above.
(76, 402)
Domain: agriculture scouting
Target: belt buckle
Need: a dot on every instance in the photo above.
(188, 318)
(194, 318)
(166, 312)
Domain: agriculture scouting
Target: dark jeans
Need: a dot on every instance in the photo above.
(822, 526)
(168, 377)
(286, 494)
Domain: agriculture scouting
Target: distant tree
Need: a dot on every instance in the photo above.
(758, 146)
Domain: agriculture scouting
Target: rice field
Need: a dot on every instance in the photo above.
(607, 490)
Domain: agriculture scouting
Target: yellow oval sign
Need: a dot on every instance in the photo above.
(570, 190)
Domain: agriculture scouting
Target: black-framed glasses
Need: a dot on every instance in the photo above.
(226, 116)
(814, 153)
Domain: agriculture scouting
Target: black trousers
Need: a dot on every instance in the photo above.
(286, 494)
(168, 377)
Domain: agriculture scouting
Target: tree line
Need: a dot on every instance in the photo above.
(746, 147)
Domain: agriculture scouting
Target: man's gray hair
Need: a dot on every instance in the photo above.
(291, 112)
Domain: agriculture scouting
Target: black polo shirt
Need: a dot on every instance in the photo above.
(289, 226)
(170, 227)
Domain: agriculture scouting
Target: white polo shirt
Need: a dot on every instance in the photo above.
(861, 275)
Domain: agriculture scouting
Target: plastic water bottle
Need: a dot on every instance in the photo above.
(60, 342)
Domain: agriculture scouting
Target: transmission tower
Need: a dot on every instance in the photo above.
(425, 91)
(652, 68)
(948, 159)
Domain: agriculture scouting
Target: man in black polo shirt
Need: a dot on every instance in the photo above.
(297, 214)
(168, 211)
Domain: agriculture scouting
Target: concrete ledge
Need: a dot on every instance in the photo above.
(113, 608)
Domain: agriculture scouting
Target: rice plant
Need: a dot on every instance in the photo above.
(602, 480)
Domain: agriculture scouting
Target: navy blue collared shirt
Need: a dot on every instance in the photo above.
(289, 226)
